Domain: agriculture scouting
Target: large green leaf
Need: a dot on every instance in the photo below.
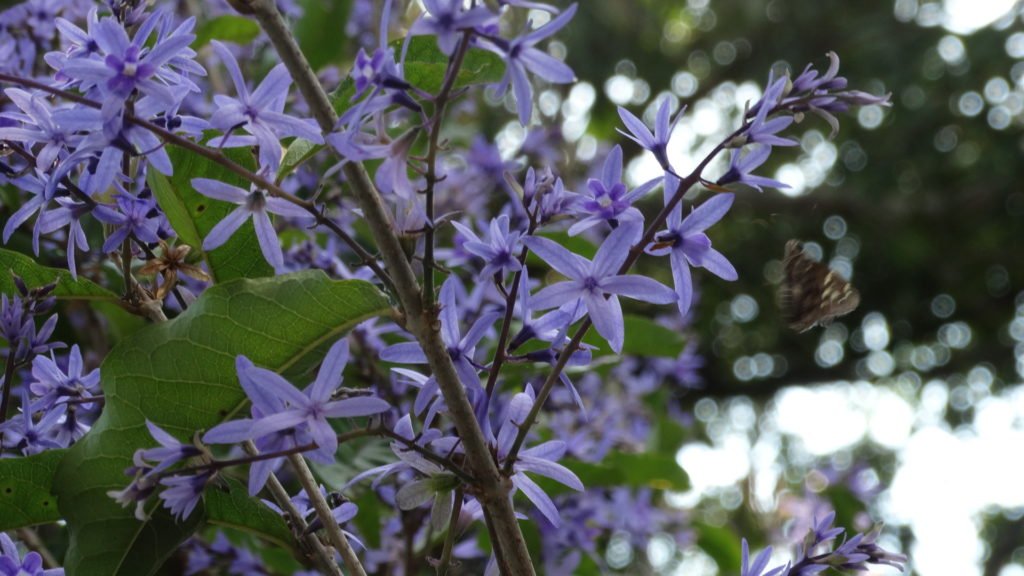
(181, 375)
(193, 215)
(232, 507)
(121, 323)
(35, 275)
(26, 492)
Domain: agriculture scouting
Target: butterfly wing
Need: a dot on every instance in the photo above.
(811, 293)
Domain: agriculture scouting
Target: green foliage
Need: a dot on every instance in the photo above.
(321, 31)
(425, 65)
(193, 215)
(26, 492)
(227, 28)
(722, 545)
(35, 275)
(632, 470)
(231, 506)
(644, 337)
(181, 375)
(121, 322)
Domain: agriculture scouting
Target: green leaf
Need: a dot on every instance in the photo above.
(232, 507)
(193, 215)
(722, 545)
(181, 375)
(35, 275)
(321, 31)
(425, 65)
(227, 28)
(26, 492)
(297, 153)
(643, 470)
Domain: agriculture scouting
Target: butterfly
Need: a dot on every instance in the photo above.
(811, 293)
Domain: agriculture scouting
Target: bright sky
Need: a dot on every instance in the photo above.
(966, 16)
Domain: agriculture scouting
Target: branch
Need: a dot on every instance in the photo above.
(323, 510)
(285, 502)
(494, 490)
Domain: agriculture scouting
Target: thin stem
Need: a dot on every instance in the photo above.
(8, 378)
(634, 254)
(440, 104)
(280, 495)
(215, 155)
(261, 456)
(492, 489)
(323, 510)
(35, 544)
(453, 533)
(444, 461)
(501, 354)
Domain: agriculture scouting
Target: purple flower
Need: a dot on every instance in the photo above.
(255, 203)
(181, 493)
(446, 18)
(656, 143)
(741, 165)
(762, 130)
(37, 126)
(498, 252)
(867, 551)
(12, 564)
(591, 281)
(103, 150)
(122, 66)
(18, 326)
(35, 185)
(27, 435)
(133, 217)
(308, 409)
(688, 245)
(260, 113)
(541, 459)
(392, 175)
(51, 384)
(760, 563)
(170, 452)
(461, 348)
(521, 57)
(607, 199)
(826, 94)
(69, 214)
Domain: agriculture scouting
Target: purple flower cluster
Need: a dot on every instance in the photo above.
(818, 553)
